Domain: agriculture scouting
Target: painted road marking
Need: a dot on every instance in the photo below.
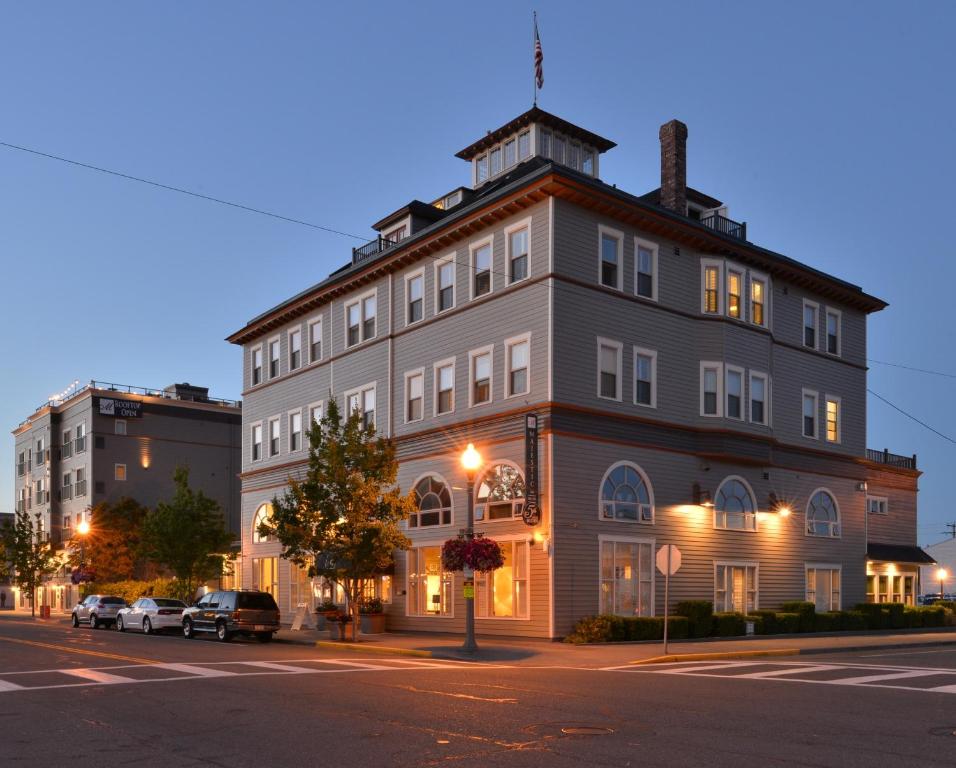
(856, 675)
(189, 671)
(96, 676)
(74, 649)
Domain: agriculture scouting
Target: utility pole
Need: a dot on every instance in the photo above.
(952, 530)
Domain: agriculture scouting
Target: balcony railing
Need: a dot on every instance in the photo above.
(725, 226)
(377, 245)
(891, 459)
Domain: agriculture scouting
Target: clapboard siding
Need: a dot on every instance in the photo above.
(780, 545)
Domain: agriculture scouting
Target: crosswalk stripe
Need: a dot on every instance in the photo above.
(942, 689)
(193, 669)
(877, 678)
(788, 671)
(5, 686)
(277, 667)
(360, 665)
(707, 667)
(96, 676)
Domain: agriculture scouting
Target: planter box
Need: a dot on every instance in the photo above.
(373, 623)
(339, 631)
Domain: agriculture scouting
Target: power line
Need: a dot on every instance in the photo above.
(911, 368)
(182, 191)
(911, 416)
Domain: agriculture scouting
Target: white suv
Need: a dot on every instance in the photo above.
(97, 610)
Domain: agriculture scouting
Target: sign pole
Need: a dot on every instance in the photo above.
(667, 584)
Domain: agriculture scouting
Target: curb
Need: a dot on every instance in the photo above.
(886, 647)
(363, 648)
(717, 656)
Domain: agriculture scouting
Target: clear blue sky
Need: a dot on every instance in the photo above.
(828, 127)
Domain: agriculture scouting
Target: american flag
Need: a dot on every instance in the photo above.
(538, 58)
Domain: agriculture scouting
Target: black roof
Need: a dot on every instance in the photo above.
(897, 553)
(693, 196)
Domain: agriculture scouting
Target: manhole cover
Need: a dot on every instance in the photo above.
(586, 730)
(946, 730)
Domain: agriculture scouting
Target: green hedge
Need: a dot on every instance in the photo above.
(806, 611)
(133, 590)
(610, 629)
(729, 624)
(700, 616)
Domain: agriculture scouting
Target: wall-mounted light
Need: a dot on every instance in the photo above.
(702, 497)
(861, 487)
(777, 505)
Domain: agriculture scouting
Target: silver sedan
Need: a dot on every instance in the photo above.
(150, 614)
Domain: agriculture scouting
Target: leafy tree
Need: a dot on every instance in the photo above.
(113, 547)
(341, 521)
(28, 556)
(187, 535)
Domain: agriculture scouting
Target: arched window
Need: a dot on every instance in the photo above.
(500, 494)
(823, 515)
(263, 515)
(433, 503)
(734, 506)
(626, 495)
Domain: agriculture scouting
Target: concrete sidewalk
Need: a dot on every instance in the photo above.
(530, 652)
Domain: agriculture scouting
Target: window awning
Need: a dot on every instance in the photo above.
(897, 553)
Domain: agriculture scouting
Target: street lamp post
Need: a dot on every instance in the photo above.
(941, 575)
(471, 463)
(82, 529)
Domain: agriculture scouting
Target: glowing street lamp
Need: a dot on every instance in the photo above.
(941, 574)
(471, 462)
(82, 530)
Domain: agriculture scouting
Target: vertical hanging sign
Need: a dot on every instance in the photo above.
(531, 514)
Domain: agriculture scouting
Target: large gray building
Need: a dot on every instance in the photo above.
(691, 388)
(102, 442)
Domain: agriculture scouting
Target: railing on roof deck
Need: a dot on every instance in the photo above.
(891, 459)
(725, 226)
(377, 245)
(133, 390)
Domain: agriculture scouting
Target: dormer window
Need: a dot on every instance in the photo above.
(496, 161)
(558, 155)
(396, 235)
(574, 156)
(545, 144)
(482, 168)
(524, 145)
(509, 153)
(587, 162)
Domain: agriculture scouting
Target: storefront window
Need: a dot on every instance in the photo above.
(265, 575)
(626, 570)
(429, 587)
(503, 593)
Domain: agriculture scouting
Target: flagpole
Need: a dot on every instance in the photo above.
(534, 42)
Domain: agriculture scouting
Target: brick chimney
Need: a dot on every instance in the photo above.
(674, 166)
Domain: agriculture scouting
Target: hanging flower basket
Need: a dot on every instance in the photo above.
(481, 554)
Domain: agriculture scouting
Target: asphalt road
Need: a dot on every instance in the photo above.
(83, 696)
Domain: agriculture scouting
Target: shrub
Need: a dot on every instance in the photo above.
(788, 623)
(769, 621)
(609, 629)
(729, 624)
(591, 629)
(806, 611)
(932, 616)
(897, 619)
(951, 604)
(876, 616)
(829, 621)
(133, 590)
(699, 614)
(854, 620)
(760, 625)
(949, 617)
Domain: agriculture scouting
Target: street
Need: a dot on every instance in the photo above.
(83, 695)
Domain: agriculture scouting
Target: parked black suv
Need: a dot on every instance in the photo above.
(237, 612)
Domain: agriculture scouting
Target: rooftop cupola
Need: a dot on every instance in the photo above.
(536, 133)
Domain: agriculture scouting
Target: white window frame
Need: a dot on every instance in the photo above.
(753, 497)
(823, 567)
(880, 500)
(420, 372)
(488, 241)
(312, 323)
(839, 513)
(289, 335)
(718, 264)
(411, 611)
(614, 538)
(511, 540)
(119, 426)
(619, 346)
(654, 249)
(652, 354)
(360, 300)
(436, 373)
(277, 340)
(117, 468)
(619, 236)
(439, 263)
(742, 296)
(318, 404)
(728, 369)
(252, 365)
(650, 495)
(524, 338)
(719, 368)
(277, 420)
(828, 311)
(766, 397)
(827, 399)
(252, 441)
(764, 279)
(360, 391)
(804, 393)
(739, 564)
(291, 414)
(509, 230)
(409, 276)
(816, 324)
(472, 354)
(79, 433)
